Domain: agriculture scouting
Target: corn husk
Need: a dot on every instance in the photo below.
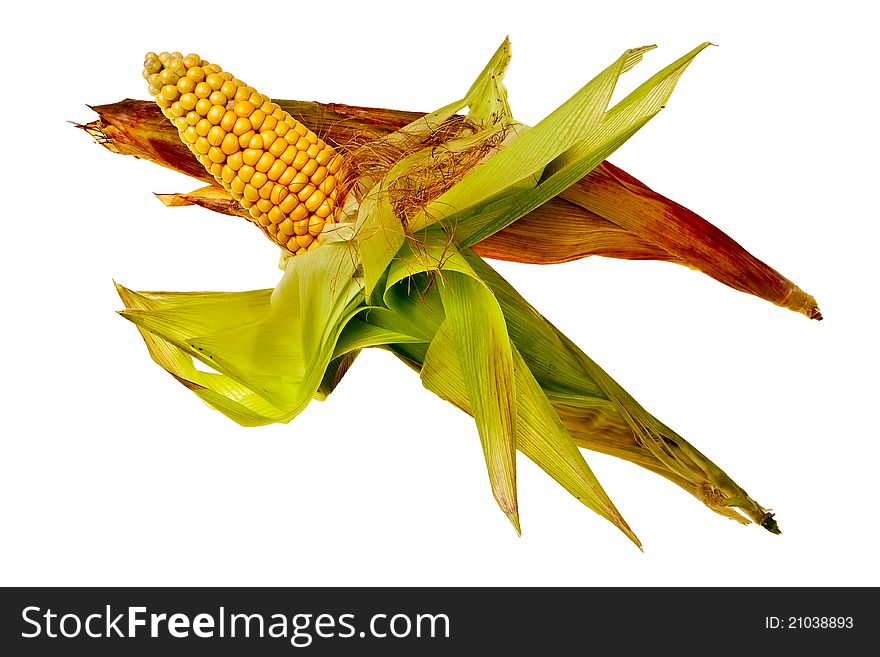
(402, 276)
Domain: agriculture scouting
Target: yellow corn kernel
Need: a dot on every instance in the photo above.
(168, 77)
(228, 121)
(287, 177)
(229, 145)
(170, 93)
(242, 125)
(316, 224)
(266, 160)
(301, 227)
(243, 108)
(196, 74)
(268, 136)
(234, 161)
(323, 210)
(299, 212)
(228, 88)
(288, 203)
(318, 176)
(285, 227)
(214, 81)
(202, 127)
(305, 192)
(289, 153)
(328, 185)
(278, 146)
(202, 90)
(251, 193)
(245, 139)
(278, 167)
(279, 193)
(324, 156)
(266, 190)
(188, 101)
(299, 181)
(215, 135)
(203, 106)
(259, 179)
(257, 117)
(300, 160)
(185, 85)
(246, 172)
(215, 114)
(251, 156)
(313, 202)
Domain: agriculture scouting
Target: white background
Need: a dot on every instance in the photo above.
(114, 474)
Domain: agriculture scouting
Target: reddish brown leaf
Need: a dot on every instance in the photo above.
(627, 202)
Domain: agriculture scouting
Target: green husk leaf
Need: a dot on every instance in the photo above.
(235, 400)
(486, 99)
(540, 434)
(570, 377)
(276, 347)
(480, 220)
(519, 164)
(379, 234)
(481, 346)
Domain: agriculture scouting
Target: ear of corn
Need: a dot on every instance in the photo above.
(273, 165)
(424, 295)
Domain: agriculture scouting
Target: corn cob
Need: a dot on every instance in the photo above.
(278, 169)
